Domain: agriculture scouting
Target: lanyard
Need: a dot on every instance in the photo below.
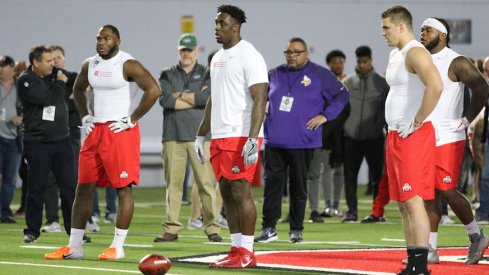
(294, 81)
(186, 82)
(8, 90)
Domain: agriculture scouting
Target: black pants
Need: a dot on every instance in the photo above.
(276, 163)
(43, 157)
(355, 151)
(23, 171)
(52, 191)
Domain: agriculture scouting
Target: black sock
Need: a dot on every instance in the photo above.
(411, 259)
(420, 260)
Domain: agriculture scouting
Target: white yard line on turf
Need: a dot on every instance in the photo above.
(54, 247)
(72, 267)
(392, 240)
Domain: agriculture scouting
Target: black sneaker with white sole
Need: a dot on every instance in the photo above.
(295, 236)
(29, 238)
(267, 235)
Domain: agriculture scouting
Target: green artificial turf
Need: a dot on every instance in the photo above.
(146, 225)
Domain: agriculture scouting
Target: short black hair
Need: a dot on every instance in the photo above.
(445, 23)
(363, 51)
(299, 40)
(113, 29)
(36, 53)
(235, 12)
(334, 53)
(57, 48)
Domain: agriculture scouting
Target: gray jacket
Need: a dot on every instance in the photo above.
(367, 100)
(182, 125)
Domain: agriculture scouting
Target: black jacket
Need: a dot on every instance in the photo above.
(35, 94)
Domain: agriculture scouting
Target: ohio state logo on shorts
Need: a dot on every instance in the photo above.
(124, 175)
(447, 180)
(235, 169)
(406, 187)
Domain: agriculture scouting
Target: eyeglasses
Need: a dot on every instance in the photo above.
(293, 53)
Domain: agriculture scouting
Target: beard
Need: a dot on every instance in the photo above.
(110, 52)
(186, 62)
(430, 45)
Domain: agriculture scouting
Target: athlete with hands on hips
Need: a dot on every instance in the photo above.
(111, 150)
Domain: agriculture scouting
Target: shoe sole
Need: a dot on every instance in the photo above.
(109, 259)
(51, 231)
(271, 239)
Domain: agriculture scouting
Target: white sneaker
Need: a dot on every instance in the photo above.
(111, 218)
(445, 219)
(51, 228)
(195, 224)
(92, 227)
(95, 218)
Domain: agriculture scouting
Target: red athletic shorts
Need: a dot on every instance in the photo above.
(108, 158)
(410, 164)
(227, 161)
(448, 160)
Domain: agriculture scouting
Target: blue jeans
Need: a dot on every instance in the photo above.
(9, 163)
(110, 194)
(483, 210)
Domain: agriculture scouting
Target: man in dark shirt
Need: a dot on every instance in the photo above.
(74, 120)
(185, 90)
(47, 144)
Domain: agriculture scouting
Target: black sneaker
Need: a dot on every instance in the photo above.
(86, 239)
(267, 235)
(214, 237)
(295, 236)
(8, 219)
(166, 237)
(373, 219)
(350, 216)
(29, 238)
(315, 217)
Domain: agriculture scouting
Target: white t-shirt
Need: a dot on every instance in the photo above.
(406, 89)
(114, 97)
(233, 71)
(451, 102)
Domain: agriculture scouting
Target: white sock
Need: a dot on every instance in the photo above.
(433, 239)
(247, 242)
(472, 228)
(119, 237)
(76, 237)
(236, 239)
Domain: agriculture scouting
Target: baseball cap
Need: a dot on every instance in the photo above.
(6, 60)
(187, 41)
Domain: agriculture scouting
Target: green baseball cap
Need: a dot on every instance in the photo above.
(187, 41)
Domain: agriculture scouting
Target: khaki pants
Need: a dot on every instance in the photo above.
(175, 155)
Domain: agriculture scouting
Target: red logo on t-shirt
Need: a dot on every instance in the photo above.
(219, 64)
(102, 74)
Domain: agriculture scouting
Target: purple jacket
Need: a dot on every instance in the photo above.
(315, 90)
